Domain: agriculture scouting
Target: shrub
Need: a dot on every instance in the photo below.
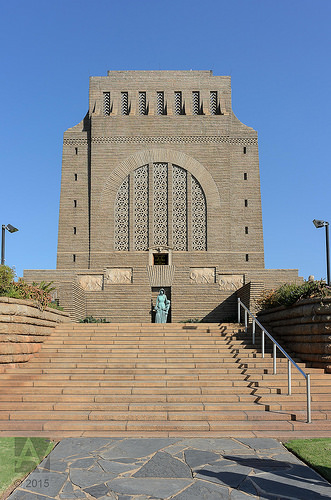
(7, 276)
(40, 293)
(290, 293)
(91, 319)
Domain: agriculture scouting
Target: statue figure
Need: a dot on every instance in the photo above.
(162, 307)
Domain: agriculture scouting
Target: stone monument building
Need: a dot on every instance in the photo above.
(160, 188)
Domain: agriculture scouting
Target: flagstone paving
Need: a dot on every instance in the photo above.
(172, 468)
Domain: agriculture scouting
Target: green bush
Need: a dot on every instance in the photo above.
(91, 319)
(40, 293)
(290, 293)
(7, 276)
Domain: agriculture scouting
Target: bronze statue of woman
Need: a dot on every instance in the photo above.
(162, 307)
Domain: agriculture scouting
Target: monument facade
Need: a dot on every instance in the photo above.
(160, 189)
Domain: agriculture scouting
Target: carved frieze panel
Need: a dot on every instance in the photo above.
(160, 275)
(116, 276)
(228, 282)
(91, 282)
(202, 275)
(196, 139)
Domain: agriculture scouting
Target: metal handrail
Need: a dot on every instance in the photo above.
(275, 347)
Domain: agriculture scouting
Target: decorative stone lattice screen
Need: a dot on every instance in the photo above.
(168, 208)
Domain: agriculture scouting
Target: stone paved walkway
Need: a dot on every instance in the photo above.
(178, 469)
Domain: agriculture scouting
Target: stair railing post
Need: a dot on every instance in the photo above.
(308, 399)
(246, 322)
(289, 378)
(262, 343)
(275, 358)
(253, 332)
(238, 311)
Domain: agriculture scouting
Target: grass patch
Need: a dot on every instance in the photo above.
(18, 457)
(314, 452)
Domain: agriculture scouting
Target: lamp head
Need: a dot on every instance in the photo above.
(320, 223)
(11, 228)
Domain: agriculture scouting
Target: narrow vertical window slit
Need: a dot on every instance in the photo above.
(160, 103)
(106, 103)
(178, 103)
(196, 103)
(142, 103)
(213, 103)
(124, 103)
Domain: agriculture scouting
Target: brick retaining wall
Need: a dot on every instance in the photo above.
(23, 328)
(306, 329)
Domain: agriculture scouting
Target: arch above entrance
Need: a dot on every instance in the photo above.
(162, 155)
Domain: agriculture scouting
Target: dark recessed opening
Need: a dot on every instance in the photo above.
(246, 229)
(246, 203)
(247, 257)
(76, 177)
(74, 257)
(75, 203)
(245, 150)
(75, 230)
(160, 259)
(245, 176)
(76, 151)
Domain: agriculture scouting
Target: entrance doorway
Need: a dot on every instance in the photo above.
(154, 294)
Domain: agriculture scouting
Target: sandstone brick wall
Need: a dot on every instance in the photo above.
(305, 327)
(23, 328)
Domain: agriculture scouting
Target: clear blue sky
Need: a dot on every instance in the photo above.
(277, 53)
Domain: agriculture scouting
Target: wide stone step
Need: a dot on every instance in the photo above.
(214, 351)
(105, 366)
(126, 381)
(142, 356)
(9, 406)
(145, 326)
(48, 396)
(134, 415)
(150, 426)
(120, 364)
(136, 364)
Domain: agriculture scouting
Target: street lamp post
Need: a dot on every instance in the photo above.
(11, 229)
(323, 223)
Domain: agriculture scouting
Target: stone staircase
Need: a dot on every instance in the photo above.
(158, 380)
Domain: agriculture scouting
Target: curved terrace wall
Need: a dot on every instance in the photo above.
(305, 328)
(23, 328)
